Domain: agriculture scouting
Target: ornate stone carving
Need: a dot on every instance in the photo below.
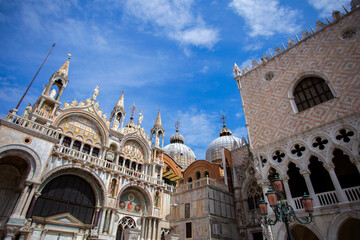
(290, 43)
(277, 50)
(304, 34)
(74, 103)
(319, 25)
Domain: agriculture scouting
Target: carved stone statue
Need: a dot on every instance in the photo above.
(27, 111)
(140, 118)
(52, 93)
(66, 105)
(236, 70)
(96, 93)
(74, 103)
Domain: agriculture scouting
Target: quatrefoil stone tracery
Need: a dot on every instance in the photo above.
(298, 150)
(320, 143)
(345, 135)
(278, 156)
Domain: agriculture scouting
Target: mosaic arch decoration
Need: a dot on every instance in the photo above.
(133, 201)
(80, 125)
(135, 150)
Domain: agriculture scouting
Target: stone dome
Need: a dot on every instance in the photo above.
(225, 140)
(181, 153)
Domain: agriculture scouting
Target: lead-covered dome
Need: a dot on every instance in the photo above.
(181, 153)
(225, 140)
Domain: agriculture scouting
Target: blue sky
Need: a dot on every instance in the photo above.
(173, 54)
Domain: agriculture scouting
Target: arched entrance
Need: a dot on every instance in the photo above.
(13, 172)
(125, 223)
(349, 229)
(66, 194)
(300, 232)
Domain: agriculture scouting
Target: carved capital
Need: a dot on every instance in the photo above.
(329, 166)
(305, 172)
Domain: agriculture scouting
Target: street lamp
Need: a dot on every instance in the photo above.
(284, 212)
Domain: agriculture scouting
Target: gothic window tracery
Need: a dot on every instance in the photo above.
(345, 135)
(298, 150)
(320, 143)
(278, 156)
(310, 92)
(253, 193)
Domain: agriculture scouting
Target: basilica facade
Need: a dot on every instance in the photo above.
(68, 171)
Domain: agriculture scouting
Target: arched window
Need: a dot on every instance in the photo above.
(66, 142)
(310, 92)
(320, 178)
(198, 175)
(206, 174)
(346, 171)
(77, 145)
(296, 182)
(66, 194)
(86, 149)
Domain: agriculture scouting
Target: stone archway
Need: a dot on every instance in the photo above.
(349, 229)
(300, 232)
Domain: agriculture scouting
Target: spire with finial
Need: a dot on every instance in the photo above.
(158, 131)
(225, 131)
(64, 70)
(120, 102)
(177, 125)
(158, 123)
(133, 109)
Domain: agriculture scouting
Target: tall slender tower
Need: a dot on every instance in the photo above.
(118, 114)
(49, 100)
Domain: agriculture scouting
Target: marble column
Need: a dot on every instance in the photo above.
(339, 192)
(290, 200)
(18, 207)
(306, 175)
(102, 222)
(28, 200)
(154, 229)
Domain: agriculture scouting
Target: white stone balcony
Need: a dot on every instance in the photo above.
(200, 183)
(33, 126)
(95, 162)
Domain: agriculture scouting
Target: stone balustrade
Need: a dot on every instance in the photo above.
(200, 183)
(31, 125)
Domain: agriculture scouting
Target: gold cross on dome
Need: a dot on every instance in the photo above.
(133, 109)
(223, 118)
(177, 125)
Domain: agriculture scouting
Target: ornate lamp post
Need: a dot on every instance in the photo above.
(283, 212)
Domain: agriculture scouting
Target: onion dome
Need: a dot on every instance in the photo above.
(225, 140)
(181, 153)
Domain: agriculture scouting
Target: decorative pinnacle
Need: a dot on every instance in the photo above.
(223, 119)
(177, 125)
(133, 109)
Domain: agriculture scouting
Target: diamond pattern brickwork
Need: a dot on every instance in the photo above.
(267, 105)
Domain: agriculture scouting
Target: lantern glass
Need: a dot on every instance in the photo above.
(263, 207)
(272, 198)
(307, 203)
(277, 184)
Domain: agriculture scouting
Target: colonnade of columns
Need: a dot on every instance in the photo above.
(150, 229)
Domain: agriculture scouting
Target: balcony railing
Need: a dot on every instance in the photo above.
(327, 198)
(44, 114)
(200, 183)
(353, 194)
(87, 159)
(26, 123)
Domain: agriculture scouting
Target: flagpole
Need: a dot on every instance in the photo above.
(34, 77)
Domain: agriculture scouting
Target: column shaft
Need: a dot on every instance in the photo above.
(339, 192)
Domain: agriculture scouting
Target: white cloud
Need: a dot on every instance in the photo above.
(240, 132)
(198, 129)
(266, 17)
(239, 115)
(327, 6)
(174, 19)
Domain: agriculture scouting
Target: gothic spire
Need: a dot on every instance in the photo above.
(158, 123)
(120, 103)
(64, 70)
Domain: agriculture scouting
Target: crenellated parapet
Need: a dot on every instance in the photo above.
(305, 34)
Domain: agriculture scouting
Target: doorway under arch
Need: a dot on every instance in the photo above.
(349, 229)
(125, 223)
(300, 232)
